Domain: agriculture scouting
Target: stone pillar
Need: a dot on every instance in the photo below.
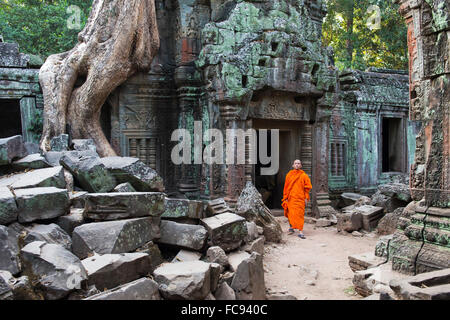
(429, 53)
(421, 243)
(235, 174)
(321, 204)
(188, 94)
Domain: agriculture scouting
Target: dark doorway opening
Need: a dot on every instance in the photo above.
(271, 187)
(393, 145)
(11, 119)
(105, 120)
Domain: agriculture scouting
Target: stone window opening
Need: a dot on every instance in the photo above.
(392, 145)
(244, 81)
(338, 158)
(11, 119)
(274, 46)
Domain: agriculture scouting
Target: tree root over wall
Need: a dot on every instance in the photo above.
(120, 38)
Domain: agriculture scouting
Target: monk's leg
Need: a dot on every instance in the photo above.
(296, 214)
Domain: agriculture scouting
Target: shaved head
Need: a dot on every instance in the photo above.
(297, 165)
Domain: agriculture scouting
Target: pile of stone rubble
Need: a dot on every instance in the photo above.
(379, 213)
(77, 226)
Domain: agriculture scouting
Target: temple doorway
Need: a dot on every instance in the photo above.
(271, 187)
(11, 119)
(393, 142)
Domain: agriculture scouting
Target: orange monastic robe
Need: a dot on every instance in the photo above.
(296, 191)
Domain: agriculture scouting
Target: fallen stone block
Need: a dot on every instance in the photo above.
(182, 209)
(41, 178)
(51, 233)
(132, 170)
(31, 147)
(433, 285)
(56, 270)
(252, 230)
(113, 206)
(8, 207)
(226, 230)
(185, 255)
(365, 281)
(41, 204)
(113, 236)
(53, 157)
(77, 199)
(323, 223)
(217, 206)
(83, 293)
(398, 190)
(236, 258)
(256, 246)
(184, 280)
(251, 206)
(124, 187)
(388, 224)
(217, 255)
(6, 292)
(248, 281)
(154, 253)
(191, 237)
(89, 172)
(32, 161)
(364, 261)
(141, 289)
(23, 290)
(69, 222)
(389, 204)
(370, 216)
(111, 270)
(10, 149)
(9, 250)
(349, 198)
(60, 143)
(225, 292)
(83, 145)
(349, 222)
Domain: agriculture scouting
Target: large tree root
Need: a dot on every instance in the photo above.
(120, 38)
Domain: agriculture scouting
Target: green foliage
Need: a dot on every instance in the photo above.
(40, 26)
(356, 45)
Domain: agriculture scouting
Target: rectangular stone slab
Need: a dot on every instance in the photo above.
(8, 207)
(111, 270)
(141, 289)
(49, 177)
(191, 237)
(114, 236)
(41, 203)
(113, 206)
(11, 148)
(426, 286)
(370, 216)
(226, 230)
(182, 208)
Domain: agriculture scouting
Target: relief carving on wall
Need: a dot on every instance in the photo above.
(139, 119)
(279, 107)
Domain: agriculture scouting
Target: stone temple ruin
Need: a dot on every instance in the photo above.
(228, 65)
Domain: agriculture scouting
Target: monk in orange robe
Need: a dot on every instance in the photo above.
(295, 197)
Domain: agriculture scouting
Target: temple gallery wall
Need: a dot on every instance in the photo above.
(250, 65)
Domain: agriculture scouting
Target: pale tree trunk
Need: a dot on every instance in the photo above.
(120, 38)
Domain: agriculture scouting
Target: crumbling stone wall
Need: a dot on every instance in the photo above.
(429, 48)
(356, 129)
(19, 81)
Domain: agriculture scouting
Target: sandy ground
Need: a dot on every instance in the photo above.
(315, 268)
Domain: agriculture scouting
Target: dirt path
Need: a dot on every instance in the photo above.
(316, 268)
